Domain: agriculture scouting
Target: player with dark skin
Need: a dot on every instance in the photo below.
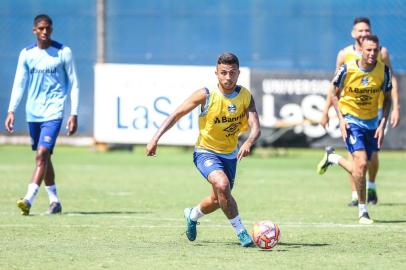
(44, 169)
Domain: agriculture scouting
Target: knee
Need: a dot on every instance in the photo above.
(222, 186)
(360, 168)
(42, 156)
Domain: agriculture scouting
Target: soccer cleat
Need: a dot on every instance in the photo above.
(353, 203)
(372, 196)
(54, 208)
(190, 225)
(25, 206)
(365, 219)
(245, 239)
(324, 163)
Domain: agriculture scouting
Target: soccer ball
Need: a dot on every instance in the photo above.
(266, 234)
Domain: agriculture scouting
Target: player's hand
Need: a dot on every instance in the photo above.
(244, 151)
(379, 135)
(72, 125)
(324, 120)
(9, 122)
(151, 148)
(395, 118)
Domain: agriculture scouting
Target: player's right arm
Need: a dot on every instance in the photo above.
(20, 83)
(337, 86)
(196, 99)
(325, 118)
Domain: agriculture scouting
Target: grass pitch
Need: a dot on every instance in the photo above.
(122, 210)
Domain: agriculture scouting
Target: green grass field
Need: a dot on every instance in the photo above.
(123, 210)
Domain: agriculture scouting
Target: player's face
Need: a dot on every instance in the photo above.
(43, 31)
(370, 51)
(227, 76)
(359, 31)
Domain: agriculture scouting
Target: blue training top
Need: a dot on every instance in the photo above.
(49, 75)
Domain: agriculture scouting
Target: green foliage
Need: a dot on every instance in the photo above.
(123, 210)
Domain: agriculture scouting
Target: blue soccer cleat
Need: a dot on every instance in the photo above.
(54, 208)
(372, 196)
(245, 239)
(190, 225)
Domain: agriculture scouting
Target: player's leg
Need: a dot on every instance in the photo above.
(25, 203)
(55, 206)
(354, 194)
(359, 173)
(372, 173)
(49, 134)
(222, 187)
(206, 206)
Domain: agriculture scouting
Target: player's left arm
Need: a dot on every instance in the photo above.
(379, 134)
(255, 130)
(73, 85)
(395, 115)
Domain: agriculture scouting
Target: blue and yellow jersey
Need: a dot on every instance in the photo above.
(360, 89)
(222, 120)
(350, 54)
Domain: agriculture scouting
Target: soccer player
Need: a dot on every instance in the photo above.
(227, 109)
(361, 28)
(47, 71)
(357, 88)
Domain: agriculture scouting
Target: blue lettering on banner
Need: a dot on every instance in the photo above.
(119, 125)
(143, 115)
(156, 108)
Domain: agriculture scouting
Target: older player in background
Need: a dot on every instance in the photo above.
(227, 109)
(357, 88)
(362, 28)
(47, 71)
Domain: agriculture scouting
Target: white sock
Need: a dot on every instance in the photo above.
(354, 196)
(52, 194)
(371, 185)
(196, 213)
(237, 224)
(31, 192)
(333, 158)
(362, 208)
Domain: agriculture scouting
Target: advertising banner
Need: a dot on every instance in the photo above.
(290, 106)
(132, 101)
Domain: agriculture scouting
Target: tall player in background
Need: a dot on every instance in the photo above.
(362, 28)
(227, 109)
(358, 85)
(47, 71)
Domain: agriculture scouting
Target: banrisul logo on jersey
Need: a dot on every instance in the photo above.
(225, 119)
(365, 81)
(232, 108)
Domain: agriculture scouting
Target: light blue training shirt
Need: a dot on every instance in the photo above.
(49, 75)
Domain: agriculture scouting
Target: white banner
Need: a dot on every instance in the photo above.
(132, 101)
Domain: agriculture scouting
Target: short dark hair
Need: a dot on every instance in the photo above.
(228, 59)
(362, 20)
(373, 38)
(42, 17)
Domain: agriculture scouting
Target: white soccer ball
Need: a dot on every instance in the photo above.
(266, 234)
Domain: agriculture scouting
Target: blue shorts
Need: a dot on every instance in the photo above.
(208, 162)
(44, 133)
(361, 139)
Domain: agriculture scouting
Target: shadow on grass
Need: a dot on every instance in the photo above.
(389, 221)
(85, 213)
(280, 247)
(390, 204)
